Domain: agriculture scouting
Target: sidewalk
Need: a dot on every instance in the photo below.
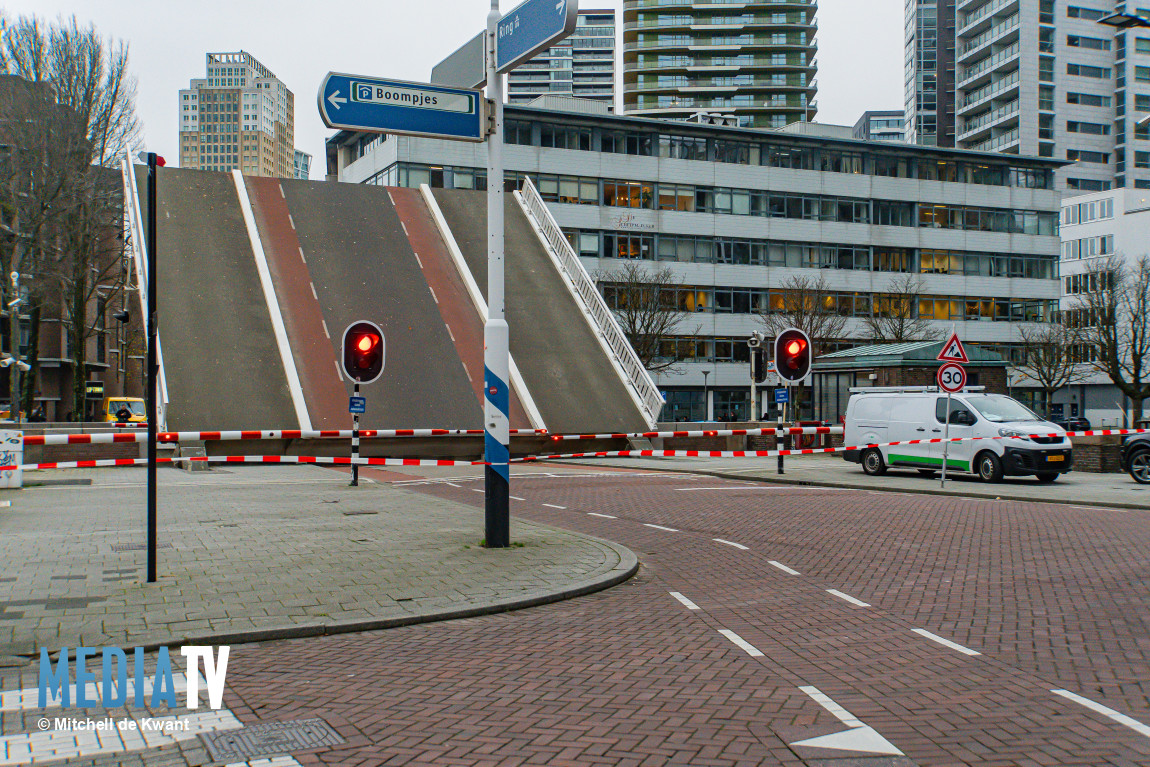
(249, 553)
(1077, 487)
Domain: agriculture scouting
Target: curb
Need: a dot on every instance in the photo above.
(627, 566)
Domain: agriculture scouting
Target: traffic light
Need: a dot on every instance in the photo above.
(759, 356)
(363, 352)
(793, 355)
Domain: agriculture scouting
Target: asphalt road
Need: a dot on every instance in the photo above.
(902, 629)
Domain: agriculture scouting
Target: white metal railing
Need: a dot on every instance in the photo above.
(989, 63)
(602, 318)
(136, 242)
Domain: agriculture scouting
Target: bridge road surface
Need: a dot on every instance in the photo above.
(810, 607)
(227, 373)
(363, 268)
(568, 374)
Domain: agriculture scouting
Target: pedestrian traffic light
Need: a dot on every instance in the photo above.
(793, 355)
(363, 352)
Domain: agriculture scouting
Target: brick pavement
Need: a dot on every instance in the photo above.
(261, 549)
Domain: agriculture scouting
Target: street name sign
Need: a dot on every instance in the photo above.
(530, 27)
(356, 103)
(465, 68)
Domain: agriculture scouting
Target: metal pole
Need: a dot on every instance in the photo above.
(706, 398)
(779, 440)
(754, 392)
(153, 366)
(946, 440)
(355, 441)
(496, 444)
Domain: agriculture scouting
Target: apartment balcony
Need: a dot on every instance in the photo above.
(984, 17)
(688, 85)
(986, 125)
(1003, 33)
(981, 73)
(1004, 89)
(1007, 142)
(782, 5)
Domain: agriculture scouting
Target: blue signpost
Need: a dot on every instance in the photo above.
(355, 103)
(782, 396)
(357, 405)
(530, 27)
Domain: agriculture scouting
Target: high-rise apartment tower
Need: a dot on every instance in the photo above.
(930, 72)
(581, 65)
(754, 60)
(239, 116)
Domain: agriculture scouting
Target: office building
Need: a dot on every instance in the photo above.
(930, 68)
(238, 116)
(735, 213)
(1035, 77)
(582, 65)
(754, 60)
(302, 165)
(880, 126)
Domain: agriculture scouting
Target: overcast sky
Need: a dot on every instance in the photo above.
(860, 48)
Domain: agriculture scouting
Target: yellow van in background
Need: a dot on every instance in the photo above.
(112, 405)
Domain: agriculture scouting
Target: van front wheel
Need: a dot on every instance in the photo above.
(872, 462)
(1046, 477)
(989, 467)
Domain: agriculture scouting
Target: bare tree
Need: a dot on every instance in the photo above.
(1113, 315)
(646, 304)
(895, 318)
(1051, 358)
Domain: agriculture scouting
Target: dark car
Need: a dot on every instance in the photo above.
(1136, 457)
(1074, 424)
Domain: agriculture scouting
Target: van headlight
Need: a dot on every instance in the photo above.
(1013, 434)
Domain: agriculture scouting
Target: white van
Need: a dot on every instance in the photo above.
(879, 415)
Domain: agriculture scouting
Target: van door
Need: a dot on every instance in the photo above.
(962, 424)
(911, 418)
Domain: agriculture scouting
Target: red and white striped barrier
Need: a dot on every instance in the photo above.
(183, 436)
(262, 459)
(705, 433)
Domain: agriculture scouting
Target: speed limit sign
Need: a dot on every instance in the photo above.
(951, 377)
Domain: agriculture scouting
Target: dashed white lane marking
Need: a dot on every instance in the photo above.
(660, 527)
(450, 334)
(433, 293)
(604, 516)
(1110, 713)
(469, 378)
(784, 568)
(476, 490)
(291, 221)
(418, 261)
(946, 642)
(324, 323)
(553, 506)
(338, 370)
(404, 225)
(516, 498)
(848, 598)
(684, 601)
(731, 543)
(750, 649)
(313, 293)
(453, 484)
(391, 198)
(302, 257)
(281, 186)
(859, 737)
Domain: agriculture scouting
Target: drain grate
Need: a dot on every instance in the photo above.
(269, 739)
(137, 546)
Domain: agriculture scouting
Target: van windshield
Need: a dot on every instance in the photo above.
(999, 409)
(135, 408)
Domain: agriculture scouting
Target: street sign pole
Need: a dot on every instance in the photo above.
(946, 440)
(754, 372)
(496, 396)
(153, 365)
(355, 441)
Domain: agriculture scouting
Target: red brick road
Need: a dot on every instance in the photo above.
(1052, 596)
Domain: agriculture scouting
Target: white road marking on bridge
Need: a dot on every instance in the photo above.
(750, 649)
(553, 506)
(604, 516)
(433, 293)
(859, 737)
(324, 323)
(469, 378)
(281, 186)
(784, 568)
(452, 484)
(450, 334)
(516, 498)
(291, 221)
(848, 598)
(391, 198)
(660, 527)
(946, 642)
(313, 293)
(731, 543)
(338, 370)
(686, 602)
(1110, 713)
(477, 490)
(418, 261)
(404, 225)
(302, 257)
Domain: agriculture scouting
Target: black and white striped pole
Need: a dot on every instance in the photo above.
(363, 357)
(355, 438)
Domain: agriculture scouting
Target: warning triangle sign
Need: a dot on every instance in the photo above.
(952, 351)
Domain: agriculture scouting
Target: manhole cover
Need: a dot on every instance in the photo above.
(137, 546)
(270, 739)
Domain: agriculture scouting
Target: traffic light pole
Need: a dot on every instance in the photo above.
(496, 395)
(779, 440)
(153, 366)
(355, 442)
(754, 390)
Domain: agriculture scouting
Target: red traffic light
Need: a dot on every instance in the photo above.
(796, 346)
(793, 355)
(366, 342)
(363, 352)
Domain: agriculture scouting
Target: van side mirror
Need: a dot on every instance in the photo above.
(963, 418)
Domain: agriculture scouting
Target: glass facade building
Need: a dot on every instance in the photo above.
(582, 65)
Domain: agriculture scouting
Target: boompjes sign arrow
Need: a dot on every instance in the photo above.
(356, 103)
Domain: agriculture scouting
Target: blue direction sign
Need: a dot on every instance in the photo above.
(352, 102)
(782, 396)
(357, 404)
(530, 27)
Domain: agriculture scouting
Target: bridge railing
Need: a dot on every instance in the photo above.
(603, 320)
